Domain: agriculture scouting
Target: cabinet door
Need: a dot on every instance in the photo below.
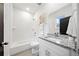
(49, 52)
(52, 49)
(73, 53)
(41, 48)
(61, 51)
(44, 49)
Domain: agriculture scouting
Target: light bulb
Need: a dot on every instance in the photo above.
(27, 9)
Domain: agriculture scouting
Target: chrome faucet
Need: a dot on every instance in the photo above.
(57, 34)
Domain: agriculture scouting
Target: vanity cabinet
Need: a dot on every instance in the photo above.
(49, 49)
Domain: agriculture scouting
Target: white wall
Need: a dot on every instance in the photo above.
(51, 11)
(18, 27)
(22, 26)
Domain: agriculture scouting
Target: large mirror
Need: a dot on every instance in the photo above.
(62, 24)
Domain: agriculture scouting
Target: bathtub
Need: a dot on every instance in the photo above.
(19, 46)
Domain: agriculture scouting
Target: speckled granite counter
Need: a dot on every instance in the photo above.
(63, 42)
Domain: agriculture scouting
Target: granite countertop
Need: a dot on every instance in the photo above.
(62, 41)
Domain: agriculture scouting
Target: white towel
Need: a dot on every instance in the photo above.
(72, 26)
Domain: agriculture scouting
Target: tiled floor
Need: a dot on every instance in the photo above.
(24, 53)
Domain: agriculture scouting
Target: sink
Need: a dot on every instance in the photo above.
(53, 39)
(58, 39)
(61, 39)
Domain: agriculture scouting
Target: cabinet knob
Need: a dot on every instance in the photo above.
(47, 53)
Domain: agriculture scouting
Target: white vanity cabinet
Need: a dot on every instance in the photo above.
(50, 49)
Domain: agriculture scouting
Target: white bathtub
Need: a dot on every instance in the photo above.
(19, 46)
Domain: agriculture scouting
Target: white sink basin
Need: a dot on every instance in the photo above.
(58, 40)
(54, 40)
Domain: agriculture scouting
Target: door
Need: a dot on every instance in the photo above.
(1, 30)
(2, 43)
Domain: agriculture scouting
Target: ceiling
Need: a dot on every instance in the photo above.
(34, 7)
(52, 7)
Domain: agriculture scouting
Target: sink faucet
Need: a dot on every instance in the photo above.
(57, 34)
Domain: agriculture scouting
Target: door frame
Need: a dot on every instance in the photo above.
(8, 14)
